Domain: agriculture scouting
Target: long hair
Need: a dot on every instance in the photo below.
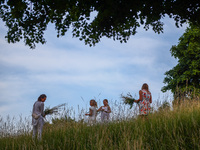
(41, 96)
(145, 86)
(94, 102)
(106, 101)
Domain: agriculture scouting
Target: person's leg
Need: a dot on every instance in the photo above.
(40, 128)
(144, 117)
(34, 131)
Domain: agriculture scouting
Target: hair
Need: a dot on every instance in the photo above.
(41, 96)
(94, 102)
(105, 100)
(145, 86)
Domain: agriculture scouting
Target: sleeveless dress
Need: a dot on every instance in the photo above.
(104, 114)
(92, 119)
(144, 104)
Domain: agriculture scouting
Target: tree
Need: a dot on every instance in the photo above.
(117, 19)
(184, 78)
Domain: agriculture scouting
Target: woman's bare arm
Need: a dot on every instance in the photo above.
(140, 97)
(109, 110)
(90, 114)
(99, 109)
(150, 99)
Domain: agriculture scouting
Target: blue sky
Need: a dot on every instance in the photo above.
(68, 71)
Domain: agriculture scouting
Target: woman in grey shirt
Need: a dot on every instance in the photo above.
(38, 116)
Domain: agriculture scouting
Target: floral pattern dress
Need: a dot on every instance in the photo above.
(144, 104)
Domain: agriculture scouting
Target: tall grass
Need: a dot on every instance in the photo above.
(178, 128)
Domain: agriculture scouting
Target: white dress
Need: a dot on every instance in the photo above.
(92, 119)
(104, 114)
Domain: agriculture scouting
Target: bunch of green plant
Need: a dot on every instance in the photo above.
(50, 111)
(128, 99)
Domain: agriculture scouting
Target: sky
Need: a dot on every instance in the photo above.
(68, 71)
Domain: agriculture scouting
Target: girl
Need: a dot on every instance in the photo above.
(93, 112)
(37, 116)
(144, 100)
(105, 111)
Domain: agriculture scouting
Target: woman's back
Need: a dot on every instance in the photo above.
(144, 104)
(146, 95)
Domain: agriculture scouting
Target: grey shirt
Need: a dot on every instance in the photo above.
(38, 108)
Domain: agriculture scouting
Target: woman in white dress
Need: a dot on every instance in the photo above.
(93, 112)
(38, 116)
(105, 111)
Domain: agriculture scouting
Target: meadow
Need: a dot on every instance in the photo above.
(167, 129)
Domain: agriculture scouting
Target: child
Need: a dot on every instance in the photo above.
(93, 112)
(105, 111)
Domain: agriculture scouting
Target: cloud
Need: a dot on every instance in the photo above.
(65, 69)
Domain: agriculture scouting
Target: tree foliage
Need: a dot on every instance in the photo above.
(91, 20)
(185, 76)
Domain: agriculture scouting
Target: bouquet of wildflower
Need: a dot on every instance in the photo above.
(50, 111)
(128, 99)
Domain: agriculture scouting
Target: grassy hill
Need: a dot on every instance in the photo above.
(165, 130)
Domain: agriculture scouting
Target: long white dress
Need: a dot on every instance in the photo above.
(92, 119)
(38, 109)
(104, 114)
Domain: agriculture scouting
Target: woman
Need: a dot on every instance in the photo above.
(144, 100)
(37, 116)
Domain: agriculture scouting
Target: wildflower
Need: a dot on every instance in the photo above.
(128, 100)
